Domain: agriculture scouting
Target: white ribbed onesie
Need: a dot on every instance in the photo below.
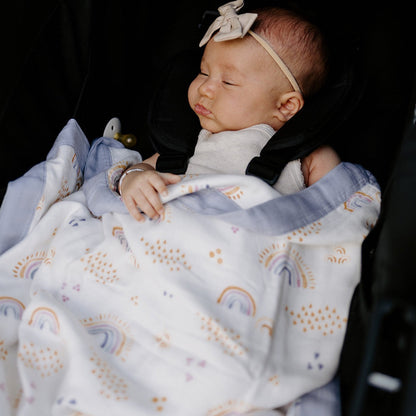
(231, 151)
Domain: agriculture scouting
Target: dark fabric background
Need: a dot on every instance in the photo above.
(96, 59)
(88, 59)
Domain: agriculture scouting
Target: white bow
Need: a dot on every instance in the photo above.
(230, 24)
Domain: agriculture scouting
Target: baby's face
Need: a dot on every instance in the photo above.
(239, 86)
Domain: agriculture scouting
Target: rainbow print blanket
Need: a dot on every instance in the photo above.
(235, 302)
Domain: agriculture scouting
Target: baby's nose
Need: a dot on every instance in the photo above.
(207, 88)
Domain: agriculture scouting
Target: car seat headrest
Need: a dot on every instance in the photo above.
(173, 125)
(315, 124)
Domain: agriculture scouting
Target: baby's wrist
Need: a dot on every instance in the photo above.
(124, 175)
(140, 167)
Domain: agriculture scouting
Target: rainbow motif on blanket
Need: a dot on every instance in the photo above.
(114, 174)
(118, 233)
(111, 333)
(357, 200)
(11, 307)
(265, 324)
(45, 319)
(232, 192)
(340, 256)
(27, 267)
(236, 298)
(286, 262)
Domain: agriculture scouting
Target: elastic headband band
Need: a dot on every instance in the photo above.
(279, 61)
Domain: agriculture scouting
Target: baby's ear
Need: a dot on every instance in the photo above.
(288, 105)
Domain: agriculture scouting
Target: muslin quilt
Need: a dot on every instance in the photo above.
(234, 301)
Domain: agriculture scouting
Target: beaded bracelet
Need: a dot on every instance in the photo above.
(125, 173)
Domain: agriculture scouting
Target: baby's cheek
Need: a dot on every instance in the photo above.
(192, 93)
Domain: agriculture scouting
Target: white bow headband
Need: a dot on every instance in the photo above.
(232, 26)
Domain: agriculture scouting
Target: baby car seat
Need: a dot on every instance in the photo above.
(174, 127)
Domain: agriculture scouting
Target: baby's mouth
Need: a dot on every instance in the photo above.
(201, 110)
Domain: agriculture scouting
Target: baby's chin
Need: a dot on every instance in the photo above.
(209, 125)
(213, 127)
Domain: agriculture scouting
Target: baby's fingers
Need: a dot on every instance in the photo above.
(133, 209)
(162, 180)
(142, 191)
(151, 204)
(170, 178)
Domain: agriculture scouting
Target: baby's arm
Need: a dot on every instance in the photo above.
(318, 164)
(140, 188)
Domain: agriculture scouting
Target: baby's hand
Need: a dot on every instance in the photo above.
(140, 192)
(317, 164)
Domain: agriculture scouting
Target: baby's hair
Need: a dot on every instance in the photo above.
(298, 42)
